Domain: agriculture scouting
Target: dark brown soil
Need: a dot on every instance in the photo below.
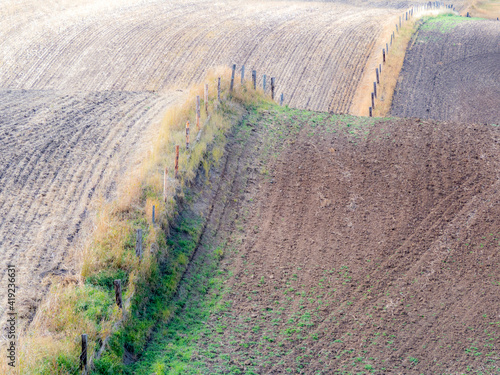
(365, 255)
(452, 72)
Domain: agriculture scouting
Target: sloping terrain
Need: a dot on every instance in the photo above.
(357, 246)
(452, 72)
(317, 51)
(77, 78)
(58, 151)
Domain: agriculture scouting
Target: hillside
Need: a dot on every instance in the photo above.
(451, 71)
(345, 249)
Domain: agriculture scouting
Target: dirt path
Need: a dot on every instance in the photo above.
(361, 253)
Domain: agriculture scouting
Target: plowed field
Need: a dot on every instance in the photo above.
(78, 84)
(57, 152)
(452, 72)
(317, 51)
(375, 249)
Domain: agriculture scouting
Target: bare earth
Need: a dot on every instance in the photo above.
(453, 74)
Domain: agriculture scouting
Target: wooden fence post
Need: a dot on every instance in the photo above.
(383, 55)
(375, 89)
(176, 160)
(264, 82)
(198, 114)
(376, 73)
(153, 215)
(399, 21)
(242, 74)
(218, 90)
(118, 293)
(83, 355)
(165, 175)
(206, 98)
(273, 81)
(380, 68)
(254, 79)
(373, 101)
(187, 135)
(397, 29)
(232, 78)
(138, 243)
(370, 111)
(281, 99)
(387, 48)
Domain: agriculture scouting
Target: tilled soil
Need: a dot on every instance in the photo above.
(316, 51)
(452, 72)
(363, 247)
(58, 152)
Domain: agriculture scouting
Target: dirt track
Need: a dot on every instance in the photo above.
(376, 255)
(452, 72)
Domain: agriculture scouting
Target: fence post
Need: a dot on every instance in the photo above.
(206, 98)
(373, 101)
(375, 89)
(242, 74)
(383, 55)
(376, 73)
(400, 21)
(165, 175)
(218, 90)
(176, 160)
(198, 113)
(281, 99)
(370, 111)
(118, 293)
(83, 355)
(153, 215)
(232, 78)
(387, 48)
(397, 28)
(138, 243)
(187, 135)
(380, 68)
(264, 82)
(273, 81)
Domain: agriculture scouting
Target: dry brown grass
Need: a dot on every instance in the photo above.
(484, 9)
(55, 331)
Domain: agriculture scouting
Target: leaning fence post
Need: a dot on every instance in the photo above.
(218, 90)
(165, 175)
(281, 99)
(264, 82)
(242, 74)
(232, 78)
(378, 78)
(380, 68)
(273, 81)
(375, 89)
(373, 101)
(206, 98)
(370, 111)
(118, 293)
(83, 355)
(138, 243)
(176, 160)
